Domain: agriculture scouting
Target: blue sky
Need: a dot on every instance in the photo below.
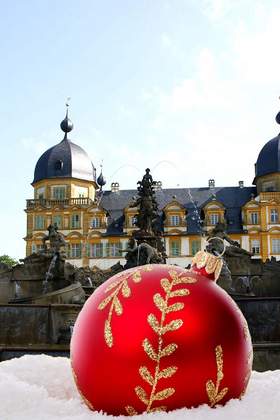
(187, 87)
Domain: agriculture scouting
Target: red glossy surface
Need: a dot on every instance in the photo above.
(107, 376)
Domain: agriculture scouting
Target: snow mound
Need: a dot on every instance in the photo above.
(42, 388)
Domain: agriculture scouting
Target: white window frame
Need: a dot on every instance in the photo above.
(39, 225)
(174, 220)
(54, 220)
(274, 216)
(95, 222)
(75, 221)
(275, 242)
(96, 250)
(58, 192)
(75, 250)
(255, 246)
(175, 249)
(254, 218)
(214, 218)
(195, 246)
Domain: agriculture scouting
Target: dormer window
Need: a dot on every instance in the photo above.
(174, 220)
(95, 223)
(214, 218)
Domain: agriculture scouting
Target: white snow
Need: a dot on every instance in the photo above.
(42, 388)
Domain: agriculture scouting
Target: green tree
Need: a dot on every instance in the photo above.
(9, 261)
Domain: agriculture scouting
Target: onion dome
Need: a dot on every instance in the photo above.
(268, 161)
(65, 160)
(101, 181)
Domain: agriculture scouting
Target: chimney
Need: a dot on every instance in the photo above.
(115, 186)
(241, 184)
(157, 185)
(211, 183)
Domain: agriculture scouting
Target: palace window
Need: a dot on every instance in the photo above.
(40, 248)
(96, 250)
(174, 248)
(39, 222)
(81, 192)
(214, 218)
(254, 218)
(40, 193)
(59, 192)
(75, 221)
(75, 250)
(175, 220)
(95, 222)
(255, 246)
(33, 248)
(274, 216)
(113, 249)
(275, 246)
(196, 246)
(57, 220)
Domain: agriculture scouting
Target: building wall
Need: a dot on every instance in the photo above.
(260, 218)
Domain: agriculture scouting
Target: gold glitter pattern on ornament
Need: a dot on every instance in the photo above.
(212, 390)
(211, 263)
(160, 327)
(120, 285)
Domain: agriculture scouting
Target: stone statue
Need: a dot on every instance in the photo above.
(216, 246)
(147, 205)
(56, 239)
(141, 254)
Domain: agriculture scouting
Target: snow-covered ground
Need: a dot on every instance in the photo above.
(42, 388)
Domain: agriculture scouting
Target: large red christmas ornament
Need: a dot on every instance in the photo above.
(159, 337)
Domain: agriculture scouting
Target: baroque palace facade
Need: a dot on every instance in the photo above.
(97, 224)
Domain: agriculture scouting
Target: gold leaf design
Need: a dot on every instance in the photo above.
(165, 284)
(185, 280)
(175, 307)
(152, 320)
(126, 292)
(168, 350)
(105, 302)
(179, 292)
(131, 411)
(214, 395)
(160, 408)
(146, 375)
(149, 350)
(168, 372)
(160, 328)
(136, 277)
(160, 302)
(113, 285)
(162, 395)
(147, 268)
(172, 326)
(108, 333)
(118, 306)
(141, 394)
(117, 286)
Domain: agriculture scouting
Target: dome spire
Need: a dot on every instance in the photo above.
(101, 181)
(66, 125)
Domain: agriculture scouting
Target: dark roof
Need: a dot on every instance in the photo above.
(193, 199)
(269, 158)
(65, 159)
